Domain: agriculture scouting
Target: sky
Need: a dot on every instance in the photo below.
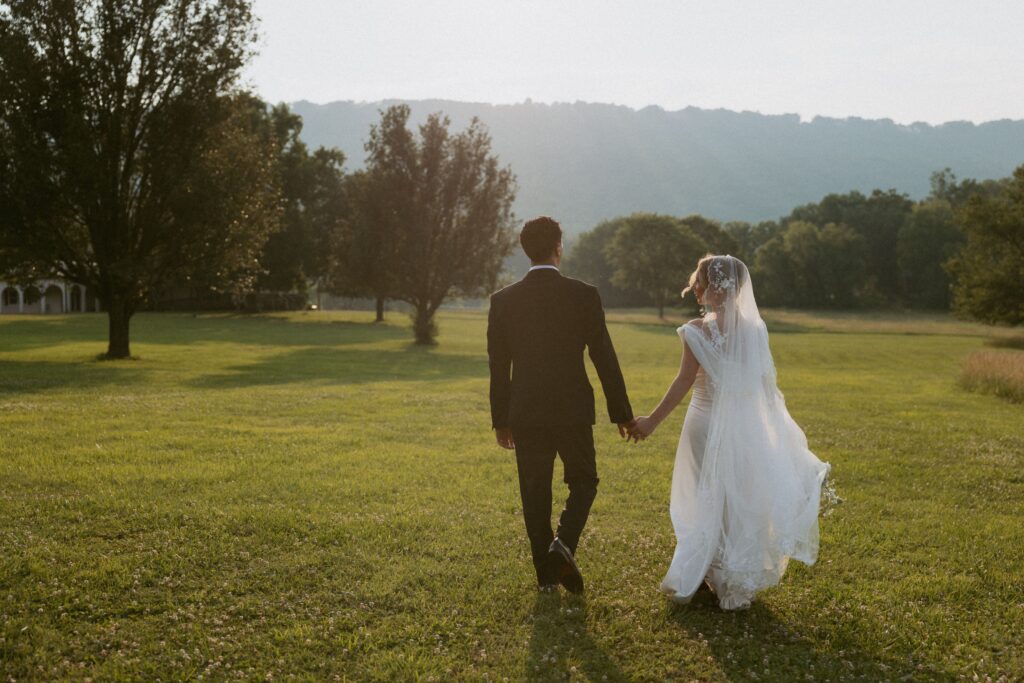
(906, 60)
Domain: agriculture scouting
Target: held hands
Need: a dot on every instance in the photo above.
(642, 427)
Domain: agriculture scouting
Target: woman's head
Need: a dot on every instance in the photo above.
(714, 277)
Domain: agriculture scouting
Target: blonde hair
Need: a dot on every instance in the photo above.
(700, 271)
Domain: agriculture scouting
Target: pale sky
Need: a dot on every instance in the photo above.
(908, 60)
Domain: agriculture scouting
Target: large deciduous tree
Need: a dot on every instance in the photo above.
(437, 209)
(128, 163)
(313, 187)
(989, 270)
(654, 254)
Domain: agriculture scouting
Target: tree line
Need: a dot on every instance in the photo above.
(961, 248)
(134, 163)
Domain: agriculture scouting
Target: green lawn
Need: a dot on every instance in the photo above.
(258, 497)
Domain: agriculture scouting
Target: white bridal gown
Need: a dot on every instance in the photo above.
(745, 488)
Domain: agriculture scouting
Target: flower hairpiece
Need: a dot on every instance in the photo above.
(718, 277)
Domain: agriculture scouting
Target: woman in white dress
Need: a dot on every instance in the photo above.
(745, 488)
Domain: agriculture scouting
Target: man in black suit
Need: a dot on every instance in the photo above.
(542, 403)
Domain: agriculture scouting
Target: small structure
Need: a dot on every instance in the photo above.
(46, 296)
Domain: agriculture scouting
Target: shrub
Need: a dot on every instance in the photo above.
(995, 372)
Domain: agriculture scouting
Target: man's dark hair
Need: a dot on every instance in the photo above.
(539, 238)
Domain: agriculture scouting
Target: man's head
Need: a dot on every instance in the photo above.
(542, 240)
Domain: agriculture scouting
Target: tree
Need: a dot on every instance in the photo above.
(127, 163)
(877, 219)
(441, 208)
(808, 266)
(655, 254)
(946, 187)
(315, 209)
(989, 270)
(364, 259)
(710, 232)
(927, 240)
(587, 260)
(749, 238)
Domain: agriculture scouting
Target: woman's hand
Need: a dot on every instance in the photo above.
(642, 428)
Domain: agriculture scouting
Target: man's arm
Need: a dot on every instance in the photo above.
(602, 354)
(500, 360)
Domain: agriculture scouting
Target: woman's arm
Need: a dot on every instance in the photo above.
(688, 367)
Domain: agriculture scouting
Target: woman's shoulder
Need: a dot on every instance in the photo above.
(695, 325)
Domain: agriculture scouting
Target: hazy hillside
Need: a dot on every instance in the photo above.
(585, 162)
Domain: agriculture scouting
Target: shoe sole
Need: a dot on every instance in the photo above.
(568, 576)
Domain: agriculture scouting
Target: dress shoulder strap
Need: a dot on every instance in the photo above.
(701, 345)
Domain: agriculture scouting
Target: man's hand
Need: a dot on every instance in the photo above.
(625, 428)
(504, 437)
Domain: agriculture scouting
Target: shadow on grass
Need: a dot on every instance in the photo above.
(347, 366)
(758, 639)
(30, 332)
(560, 636)
(28, 377)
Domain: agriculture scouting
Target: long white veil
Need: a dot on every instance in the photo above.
(752, 503)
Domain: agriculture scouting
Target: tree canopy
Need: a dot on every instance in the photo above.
(989, 270)
(129, 160)
(434, 215)
(654, 254)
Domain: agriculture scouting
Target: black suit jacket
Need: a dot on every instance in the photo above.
(536, 331)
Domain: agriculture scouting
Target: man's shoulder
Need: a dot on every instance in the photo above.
(505, 291)
(579, 285)
(564, 282)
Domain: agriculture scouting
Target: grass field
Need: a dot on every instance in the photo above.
(307, 496)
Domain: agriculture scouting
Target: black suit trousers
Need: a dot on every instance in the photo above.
(536, 448)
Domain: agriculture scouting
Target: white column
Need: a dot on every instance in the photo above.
(21, 300)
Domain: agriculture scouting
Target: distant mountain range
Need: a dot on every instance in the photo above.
(583, 163)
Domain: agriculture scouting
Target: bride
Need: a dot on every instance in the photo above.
(745, 488)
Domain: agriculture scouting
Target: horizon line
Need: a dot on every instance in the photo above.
(556, 103)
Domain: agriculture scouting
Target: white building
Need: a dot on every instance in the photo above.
(46, 296)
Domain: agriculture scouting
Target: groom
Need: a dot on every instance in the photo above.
(542, 403)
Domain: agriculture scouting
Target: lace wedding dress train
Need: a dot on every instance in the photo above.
(745, 488)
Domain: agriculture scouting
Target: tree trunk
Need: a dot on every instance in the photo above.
(119, 314)
(380, 310)
(423, 325)
(661, 308)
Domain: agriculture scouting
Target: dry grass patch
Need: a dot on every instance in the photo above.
(995, 372)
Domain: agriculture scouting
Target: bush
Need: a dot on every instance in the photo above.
(1000, 373)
